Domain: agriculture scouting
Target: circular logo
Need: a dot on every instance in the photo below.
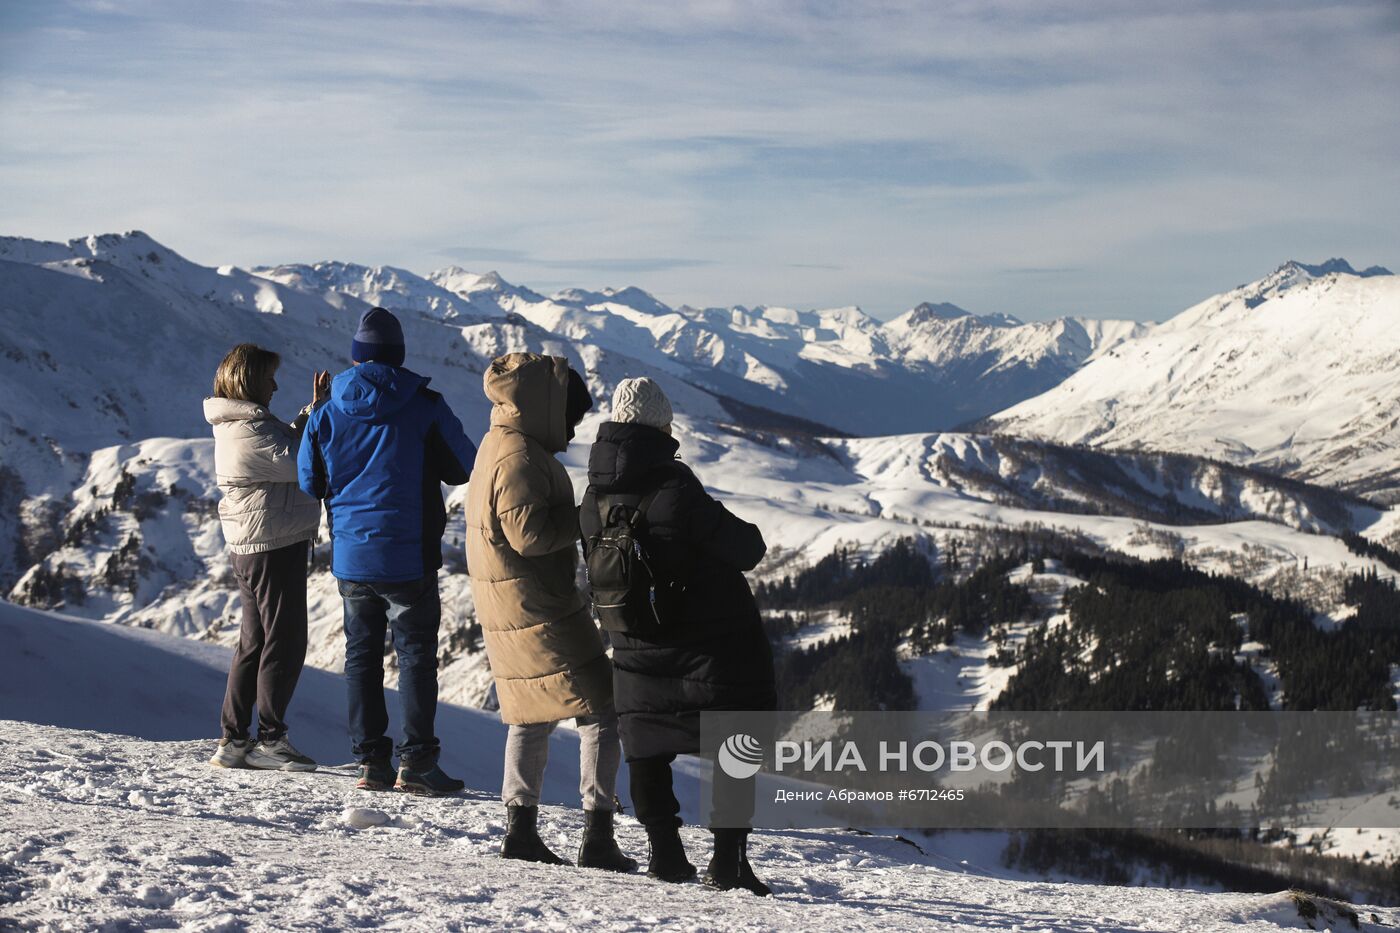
(741, 756)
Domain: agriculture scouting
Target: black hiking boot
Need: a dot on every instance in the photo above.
(376, 774)
(599, 847)
(426, 779)
(667, 861)
(729, 866)
(523, 838)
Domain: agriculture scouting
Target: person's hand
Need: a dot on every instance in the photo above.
(320, 387)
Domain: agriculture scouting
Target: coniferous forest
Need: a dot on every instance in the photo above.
(1141, 635)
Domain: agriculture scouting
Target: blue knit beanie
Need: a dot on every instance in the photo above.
(380, 338)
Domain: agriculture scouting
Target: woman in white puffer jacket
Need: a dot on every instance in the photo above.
(268, 523)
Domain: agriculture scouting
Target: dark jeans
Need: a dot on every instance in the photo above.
(271, 641)
(411, 610)
(655, 799)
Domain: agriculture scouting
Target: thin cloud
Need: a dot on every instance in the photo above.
(639, 264)
(527, 261)
(1131, 155)
(484, 254)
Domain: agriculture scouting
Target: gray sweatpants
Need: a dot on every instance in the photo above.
(599, 754)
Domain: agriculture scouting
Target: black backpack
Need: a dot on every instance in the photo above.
(627, 593)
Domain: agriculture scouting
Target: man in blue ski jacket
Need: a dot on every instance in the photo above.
(377, 452)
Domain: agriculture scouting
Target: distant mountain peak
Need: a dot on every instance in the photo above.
(1293, 274)
(630, 291)
(947, 311)
(471, 280)
(466, 283)
(1333, 265)
(130, 237)
(939, 311)
(133, 244)
(631, 296)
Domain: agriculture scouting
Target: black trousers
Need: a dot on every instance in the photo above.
(653, 795)
(271, 641)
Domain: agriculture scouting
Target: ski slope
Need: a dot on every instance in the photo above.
(110, 819)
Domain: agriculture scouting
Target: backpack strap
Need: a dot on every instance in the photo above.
(606, 505)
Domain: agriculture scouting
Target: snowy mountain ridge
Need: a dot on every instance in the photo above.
(1336, 265)
(841, 364)
(1296, 373)
(836, 367)
(450, 294)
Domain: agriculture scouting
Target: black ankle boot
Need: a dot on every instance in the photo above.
(599, 848)
(523, 838)
(667, 861)
(729, 866)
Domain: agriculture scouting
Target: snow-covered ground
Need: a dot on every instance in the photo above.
(956, 676)
(108, 832)
(1367, 844)
(109, 819)
(822, 625)
(963, 676)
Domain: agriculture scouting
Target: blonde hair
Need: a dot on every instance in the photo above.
(244, 368)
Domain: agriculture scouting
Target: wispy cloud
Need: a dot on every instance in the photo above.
(1041, 270)
(638, 264)
(484, 254)
(1114, 156)
(634, 264)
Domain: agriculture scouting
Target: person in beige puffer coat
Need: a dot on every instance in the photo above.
(546, 653)
(268, 523)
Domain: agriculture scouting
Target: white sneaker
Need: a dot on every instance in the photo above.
(278, 755)
(231, 753)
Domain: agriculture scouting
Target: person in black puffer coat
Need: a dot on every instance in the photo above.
(713, 656)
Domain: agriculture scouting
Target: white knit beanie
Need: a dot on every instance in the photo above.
(642, 401)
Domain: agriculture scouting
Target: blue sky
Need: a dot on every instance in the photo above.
(1113, 159)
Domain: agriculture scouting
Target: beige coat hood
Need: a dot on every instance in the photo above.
(530, 392)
